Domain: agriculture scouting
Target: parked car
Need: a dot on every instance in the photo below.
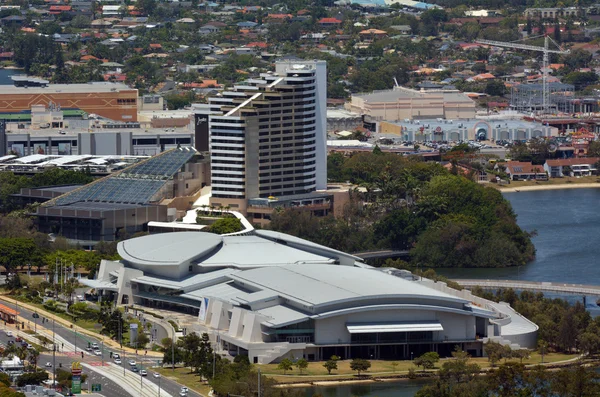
(9, 334)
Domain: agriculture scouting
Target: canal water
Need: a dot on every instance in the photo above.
(5, 75)
(567, 223)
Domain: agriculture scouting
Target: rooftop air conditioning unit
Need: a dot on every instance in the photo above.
(498, 125)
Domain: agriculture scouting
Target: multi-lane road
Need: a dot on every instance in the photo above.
(116, 380)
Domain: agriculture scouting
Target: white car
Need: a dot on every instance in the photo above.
(48, 364)
(98, 352)
(9, 334)
(132, 363)
(116, 356)
(95, 346)
(143, 372)
(156, 375)
(118, 361)
(80, 298)
(184, 390)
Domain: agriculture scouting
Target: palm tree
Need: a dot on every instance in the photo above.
(33, 356)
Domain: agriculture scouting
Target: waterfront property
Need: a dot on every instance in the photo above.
(522, 170)
(585, 166)
(269, 295)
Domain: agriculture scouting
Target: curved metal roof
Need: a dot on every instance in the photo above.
(168, 248)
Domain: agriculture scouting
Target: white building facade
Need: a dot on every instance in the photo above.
(271, 296)
(268, 134)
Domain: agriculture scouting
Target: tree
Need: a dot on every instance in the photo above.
(593, 149)
(495, 88)
(360, 365)
(5, 379)
(285, 365)
(34, 355)
(226, 225)
(32, 378)
(494, 351)
(142, 340)
(172, 354)
(427, 360)
(330, 365)
(190, 345)
(146, 7)
(301, 364)
(521, 354)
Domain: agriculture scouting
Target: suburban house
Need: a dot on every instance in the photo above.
(521, 171)
(571, 167)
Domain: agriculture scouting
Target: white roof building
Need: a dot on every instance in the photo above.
(269, 295)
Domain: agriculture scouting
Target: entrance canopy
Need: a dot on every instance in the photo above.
(420, 326)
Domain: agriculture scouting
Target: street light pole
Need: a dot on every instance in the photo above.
(53, 357)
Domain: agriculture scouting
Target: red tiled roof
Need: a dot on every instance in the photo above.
(257, 44)
(522, 167)
(569, 162)
(155, 45)
(60, 8)
(329, 20)
(7, 310)
(279, 16)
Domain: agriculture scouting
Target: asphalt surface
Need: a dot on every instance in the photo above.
(109, 387)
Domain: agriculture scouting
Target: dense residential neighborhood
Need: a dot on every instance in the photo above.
(254, 198)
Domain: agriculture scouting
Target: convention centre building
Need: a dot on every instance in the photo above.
(271, 296)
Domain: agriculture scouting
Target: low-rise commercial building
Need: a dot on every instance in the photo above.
(465, 129)
(404, 103)
(114, 101)
(123, 203)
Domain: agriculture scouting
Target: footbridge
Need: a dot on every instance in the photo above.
(381, 254)
(535, 286)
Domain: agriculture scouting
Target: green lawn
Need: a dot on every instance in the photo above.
(183, 376)
(316, 371)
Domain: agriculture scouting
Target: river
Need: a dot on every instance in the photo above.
(567, 223)
(6, 73)
(567, 243)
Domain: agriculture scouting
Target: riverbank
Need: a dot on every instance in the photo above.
(419, 375)
(530, 188)
(585, 182)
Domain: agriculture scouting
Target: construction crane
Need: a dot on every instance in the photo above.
(546, 65)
